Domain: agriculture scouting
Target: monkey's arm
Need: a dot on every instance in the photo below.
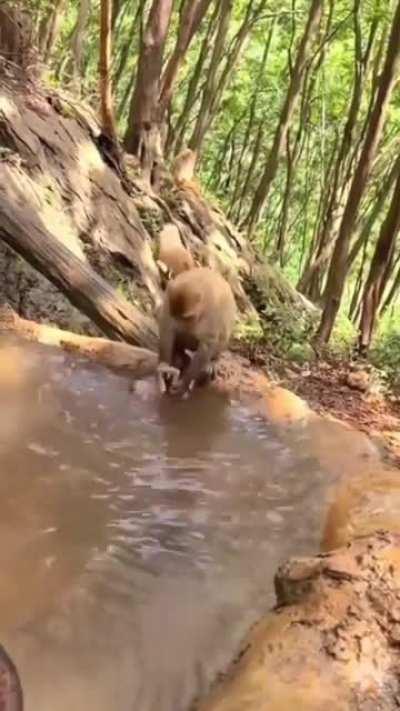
(167, 375)
(166, 336)
(200, 362)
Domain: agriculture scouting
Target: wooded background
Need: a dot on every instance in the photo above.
(293, 114)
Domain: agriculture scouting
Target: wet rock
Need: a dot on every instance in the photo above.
(328, 645)
(362, 504)
(282, 407)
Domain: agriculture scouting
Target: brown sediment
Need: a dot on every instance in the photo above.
(332, 641)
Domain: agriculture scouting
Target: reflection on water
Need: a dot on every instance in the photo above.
(140, 537)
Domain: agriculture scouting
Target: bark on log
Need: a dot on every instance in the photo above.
(138, 362)
(28, 236)
(333, 640)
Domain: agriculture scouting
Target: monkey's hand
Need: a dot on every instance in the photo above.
(168, 377)
(200, 364)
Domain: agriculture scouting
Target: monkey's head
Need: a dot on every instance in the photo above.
(185, 305)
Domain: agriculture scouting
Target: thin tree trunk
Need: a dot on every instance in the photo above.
(176, 136)
(252, 167)
(393, 289)
(106, 99)
(219, 174)
(338, 266)
(233, 56)
(211, 84)
(116, 9)
(303, 284)
(374, 213)
(143, 137)
(124, 100)
(77, 42)
(124, 53)
(354, 305)
(50, 28)
(250, 123)
(379, 270)
(192, 15)
(292, 96)
(291, 158)
(310, 282)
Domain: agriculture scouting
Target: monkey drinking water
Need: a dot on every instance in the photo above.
(196, 322)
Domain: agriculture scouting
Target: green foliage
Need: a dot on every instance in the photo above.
(385, 352)
(244, 123)
(343, 337)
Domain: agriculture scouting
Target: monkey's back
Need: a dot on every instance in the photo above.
(172, 252)
(178, 259)
(206, 289)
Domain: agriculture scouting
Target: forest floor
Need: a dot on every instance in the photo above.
(324, 385)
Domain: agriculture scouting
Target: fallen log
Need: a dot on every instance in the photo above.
(139, 362)
(27, 235)
(332, 641)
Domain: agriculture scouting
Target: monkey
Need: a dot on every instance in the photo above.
(195, 324)
(183, 169)
(184, 165)
(173, 257)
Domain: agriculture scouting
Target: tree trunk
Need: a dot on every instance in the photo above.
(126, 46)
(116, 9)
(374, 213)
(379, 270)
(143, 138)
(250, 172)
(292, 96)
(235, 205)
(106, 100)
(177, 135)
(310, 282)
(191, 18)
(233, 56)
(338, 266)
(393, 289)
(211, 82)
(50, 28)
(83, 287)
(77, 41)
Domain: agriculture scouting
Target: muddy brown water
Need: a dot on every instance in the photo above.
(140, 535)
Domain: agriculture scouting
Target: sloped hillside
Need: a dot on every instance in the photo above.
(79, 238)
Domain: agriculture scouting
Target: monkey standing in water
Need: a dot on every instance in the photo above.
(197, 316)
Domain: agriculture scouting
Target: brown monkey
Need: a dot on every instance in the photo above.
(195, 323)
(183, 169)
(184, 165)
(172, 254)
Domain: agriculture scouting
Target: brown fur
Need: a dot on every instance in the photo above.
(198, 315)
(172, 253)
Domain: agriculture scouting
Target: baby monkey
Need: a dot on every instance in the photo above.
(173, 257)
(195, 323)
